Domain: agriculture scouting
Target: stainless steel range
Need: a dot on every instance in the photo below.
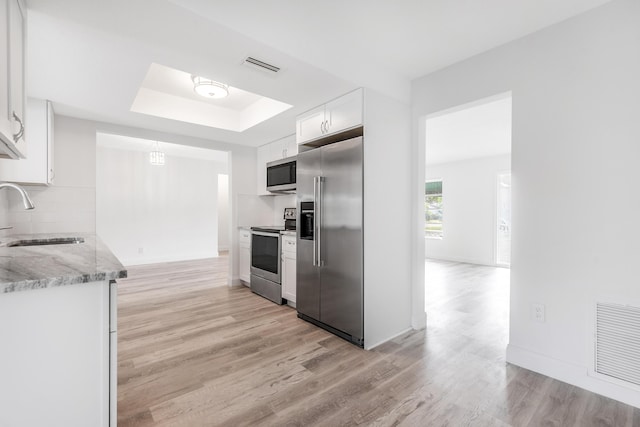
(266, 275)
(265, 262)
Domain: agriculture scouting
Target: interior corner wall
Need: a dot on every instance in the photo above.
(469, 209)
(223, 212)
(575, 132)
(386, 222)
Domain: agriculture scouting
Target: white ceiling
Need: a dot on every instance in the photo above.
(480, 130)
(167, 92)
(90, 56)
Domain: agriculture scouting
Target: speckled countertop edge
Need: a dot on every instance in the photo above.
(38, 267)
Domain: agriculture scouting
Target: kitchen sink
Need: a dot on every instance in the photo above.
(42, 242)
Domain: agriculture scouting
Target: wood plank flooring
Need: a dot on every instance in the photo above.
(193, 354)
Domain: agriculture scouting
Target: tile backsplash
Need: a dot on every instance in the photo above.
(58, 210)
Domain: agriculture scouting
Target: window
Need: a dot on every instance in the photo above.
(433, 209)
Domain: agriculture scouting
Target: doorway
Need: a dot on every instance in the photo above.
(468, 220)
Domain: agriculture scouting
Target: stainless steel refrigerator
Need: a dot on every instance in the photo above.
(329, 239)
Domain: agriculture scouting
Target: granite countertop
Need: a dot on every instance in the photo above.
(24, 268)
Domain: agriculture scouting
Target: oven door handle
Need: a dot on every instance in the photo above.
(265, 233)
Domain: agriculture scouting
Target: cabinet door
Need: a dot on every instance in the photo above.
(345, 112)
(310, 125)
(17, 92)
(54, 362)
(245, 264)
(289, 268)
(37, 167)
(289, 278)
(290, 146)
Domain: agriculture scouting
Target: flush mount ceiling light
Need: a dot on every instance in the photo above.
(209, 88)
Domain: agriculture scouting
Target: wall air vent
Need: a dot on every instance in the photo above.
(617, 346)
(260, 65)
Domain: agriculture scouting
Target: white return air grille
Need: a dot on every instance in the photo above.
(618, 342)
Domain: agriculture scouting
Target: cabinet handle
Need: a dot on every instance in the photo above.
(20, 133)
(322, 127)
(53, 174)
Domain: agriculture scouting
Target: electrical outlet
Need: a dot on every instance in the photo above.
(140, 250)
(538, 312)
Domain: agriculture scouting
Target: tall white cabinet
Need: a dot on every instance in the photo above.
(13, 14)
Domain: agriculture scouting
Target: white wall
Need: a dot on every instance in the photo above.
(387, 238)
(223, 212)
(148, 214)
(469, 209)
(576, 97)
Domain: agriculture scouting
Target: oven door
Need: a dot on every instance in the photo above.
(265, 255)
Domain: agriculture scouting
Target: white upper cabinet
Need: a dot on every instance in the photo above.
(12, 79)
(310, 125)
(37, 168)
(335, 116)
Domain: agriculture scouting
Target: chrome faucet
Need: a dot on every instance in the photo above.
(26, 200)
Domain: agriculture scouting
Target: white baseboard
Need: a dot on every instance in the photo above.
(419, 321)
(237, 282)
(371, 347)
(572, 374)
(169, 258)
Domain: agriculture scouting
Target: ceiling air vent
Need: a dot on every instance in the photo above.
(260, 65)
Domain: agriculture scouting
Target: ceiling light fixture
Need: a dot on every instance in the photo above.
(209, 88)
(156, 157)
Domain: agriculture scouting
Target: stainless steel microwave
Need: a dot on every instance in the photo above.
(281, 175)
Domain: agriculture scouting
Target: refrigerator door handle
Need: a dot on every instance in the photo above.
(319, 221)
(315, 218)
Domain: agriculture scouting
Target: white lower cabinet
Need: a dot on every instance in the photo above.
(244, 255)
(289, 269)
(54, 357)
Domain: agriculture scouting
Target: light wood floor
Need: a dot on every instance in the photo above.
(191, 354)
